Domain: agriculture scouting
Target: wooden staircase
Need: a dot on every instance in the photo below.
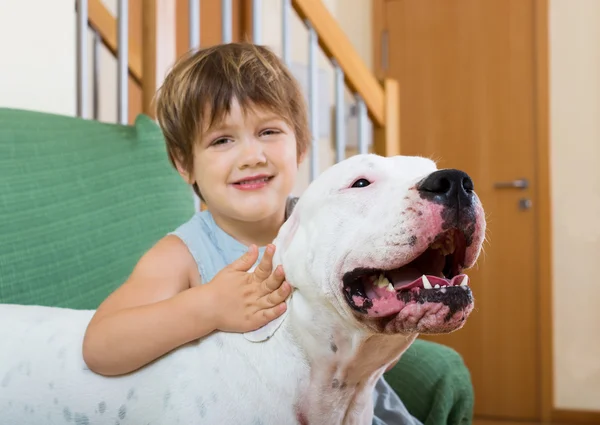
(158, 35)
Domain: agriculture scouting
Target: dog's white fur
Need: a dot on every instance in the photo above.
(318, 367)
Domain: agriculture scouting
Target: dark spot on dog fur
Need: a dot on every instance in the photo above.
(67, 414)
(102, 407)
(81, 419)
(122, 412)
(334, 347)
(335, 383)
(201, 406)
(130, 394)
(343, 386)
(412, 241)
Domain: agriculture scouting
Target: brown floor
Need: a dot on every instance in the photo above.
(501, 422)
(491, 422)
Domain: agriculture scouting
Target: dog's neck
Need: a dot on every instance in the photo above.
(345, 363)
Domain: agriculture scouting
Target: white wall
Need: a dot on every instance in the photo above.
(37, 65)
(575, 151)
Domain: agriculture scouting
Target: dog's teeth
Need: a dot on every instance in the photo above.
(382, 281)
(465, 281)
(437, 286)
(450, 245)
(426, 283)
(443, 290)
(390, 288)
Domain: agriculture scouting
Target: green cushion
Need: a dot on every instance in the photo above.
(434, 383)
(80, 202)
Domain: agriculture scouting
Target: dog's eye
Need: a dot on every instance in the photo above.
(361, 183)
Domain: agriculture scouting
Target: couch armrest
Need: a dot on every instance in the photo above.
(434, 384)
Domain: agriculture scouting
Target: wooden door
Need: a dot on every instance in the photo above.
(467, 71)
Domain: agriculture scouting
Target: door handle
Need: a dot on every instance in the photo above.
(514, 184)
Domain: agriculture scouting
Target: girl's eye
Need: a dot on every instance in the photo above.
(269, 132)
(361, 183)
(221, 141)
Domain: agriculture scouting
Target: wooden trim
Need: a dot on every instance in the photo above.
(560, 416)
(246, 26)
(544, 209)
(102, 21)
(387, 138)
(334, 42)
(159, 47)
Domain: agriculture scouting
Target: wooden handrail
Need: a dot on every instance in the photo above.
(100, 19)
(336, 45)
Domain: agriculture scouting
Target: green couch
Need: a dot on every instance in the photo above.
(81, 201)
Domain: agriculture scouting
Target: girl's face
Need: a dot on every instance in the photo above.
(246, 166)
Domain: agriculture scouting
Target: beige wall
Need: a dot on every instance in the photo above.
(37, 62)
(575, 151)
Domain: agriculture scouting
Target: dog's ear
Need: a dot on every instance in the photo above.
(286, 234)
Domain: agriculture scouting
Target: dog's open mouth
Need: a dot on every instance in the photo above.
(434, 276)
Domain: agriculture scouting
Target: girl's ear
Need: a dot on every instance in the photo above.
(187, 176)
(302, 156)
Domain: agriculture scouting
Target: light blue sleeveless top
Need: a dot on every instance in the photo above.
(213, 249)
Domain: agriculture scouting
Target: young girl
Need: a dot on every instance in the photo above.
(236, 129)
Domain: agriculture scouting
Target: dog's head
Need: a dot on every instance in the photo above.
(385, 242)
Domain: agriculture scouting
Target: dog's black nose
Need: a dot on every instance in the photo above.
(447, 187)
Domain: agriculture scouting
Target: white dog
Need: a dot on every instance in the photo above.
(374, 248)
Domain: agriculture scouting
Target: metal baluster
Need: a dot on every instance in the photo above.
(361, 111)
(82, 59)
(256, 21)
(194, 24)
(312, 99)
(285, 31)
(122, 61)
(226, 14)
(96, 74)
(340, 127)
